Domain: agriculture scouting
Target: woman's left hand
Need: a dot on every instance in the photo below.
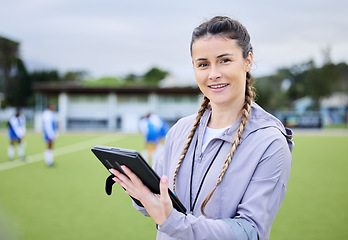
(158, 206)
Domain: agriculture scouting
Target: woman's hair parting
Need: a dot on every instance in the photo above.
(227, 28)
(230, 29)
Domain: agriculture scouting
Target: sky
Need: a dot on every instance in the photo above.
(115, 38)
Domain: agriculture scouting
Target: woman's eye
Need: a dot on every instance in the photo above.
(202, 65)
(225, 60)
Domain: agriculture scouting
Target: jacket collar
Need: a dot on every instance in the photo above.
(258, 119)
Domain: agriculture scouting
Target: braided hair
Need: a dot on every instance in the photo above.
(231, 29)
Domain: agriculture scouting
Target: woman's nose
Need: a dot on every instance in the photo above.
(214, 73)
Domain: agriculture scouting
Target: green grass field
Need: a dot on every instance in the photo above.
(68, 201)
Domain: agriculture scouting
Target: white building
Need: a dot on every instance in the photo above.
(111, 108)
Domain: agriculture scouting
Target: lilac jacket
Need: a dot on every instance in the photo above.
(248, 199)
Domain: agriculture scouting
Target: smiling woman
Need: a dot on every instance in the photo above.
(229, 164)
(220, 71)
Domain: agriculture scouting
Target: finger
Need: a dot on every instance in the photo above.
(139, 190)
(164, 189)
(126, 187)
(133, 177)
(116, 179)
(123, 180)
(115, 171)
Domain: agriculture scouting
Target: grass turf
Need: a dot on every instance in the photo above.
(69, 202)
(316, 204)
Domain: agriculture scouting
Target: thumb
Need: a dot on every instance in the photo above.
(164, 187)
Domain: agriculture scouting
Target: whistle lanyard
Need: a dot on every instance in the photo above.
(192, 206)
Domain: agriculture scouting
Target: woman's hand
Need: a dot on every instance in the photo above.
(158, 206)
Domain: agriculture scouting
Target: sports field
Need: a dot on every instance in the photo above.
(68, 201)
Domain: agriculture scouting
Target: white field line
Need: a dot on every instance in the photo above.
(60, 151)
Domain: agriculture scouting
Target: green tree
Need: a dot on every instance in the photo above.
(8, 57)
(154, 75)
(74, 76)
(320, 82)
(297, 88)
(315, 82)
(131, 79)
(20, 87)
(45, 76)
(269, 91)
(306, 79)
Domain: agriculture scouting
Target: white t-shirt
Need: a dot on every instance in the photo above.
(211, 133)
(49, 124)
(18, 125)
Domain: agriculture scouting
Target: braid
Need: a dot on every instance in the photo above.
(245, 115)
(204, 105)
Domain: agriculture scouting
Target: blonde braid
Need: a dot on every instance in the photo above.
(204, 105)
(245, 115)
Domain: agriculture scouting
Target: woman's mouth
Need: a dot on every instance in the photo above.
(218, 86)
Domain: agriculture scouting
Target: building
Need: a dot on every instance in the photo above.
(333, 111)
(335, 108)
(113, 108)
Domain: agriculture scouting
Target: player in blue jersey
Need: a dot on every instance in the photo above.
(16, 132)
(49, 131)
(154, 130)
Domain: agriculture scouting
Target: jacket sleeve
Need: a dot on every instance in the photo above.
(190, 227)
(266, 191)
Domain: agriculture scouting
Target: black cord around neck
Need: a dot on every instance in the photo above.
(192, 206)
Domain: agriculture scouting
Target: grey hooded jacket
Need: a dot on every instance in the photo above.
(248, 199)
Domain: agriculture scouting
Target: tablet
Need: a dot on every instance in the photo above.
(115, 157)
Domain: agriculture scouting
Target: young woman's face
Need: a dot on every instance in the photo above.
(220, 70)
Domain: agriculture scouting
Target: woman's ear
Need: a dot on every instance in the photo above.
(249, 62)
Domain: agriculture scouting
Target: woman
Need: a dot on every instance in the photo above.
(230, 164)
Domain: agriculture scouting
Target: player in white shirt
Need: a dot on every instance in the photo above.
(16, 132)
(50, 132)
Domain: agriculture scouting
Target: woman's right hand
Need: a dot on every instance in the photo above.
(158, 206)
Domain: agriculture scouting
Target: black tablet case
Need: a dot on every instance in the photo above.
(115, 157)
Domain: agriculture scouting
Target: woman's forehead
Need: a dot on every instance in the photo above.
(216, 44)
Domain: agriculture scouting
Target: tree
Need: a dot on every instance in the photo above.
(320, 82)
(312, 81)
(20, 87)
(74, 76)
(269, 92)
(8, 56)
(154, 75)
(306, 79)
(45, 76)
(131, 78)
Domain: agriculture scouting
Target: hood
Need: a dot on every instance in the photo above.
(259, 119)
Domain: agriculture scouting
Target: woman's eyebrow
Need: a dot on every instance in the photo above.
(224, 55)
(220, 56)
(201, 59)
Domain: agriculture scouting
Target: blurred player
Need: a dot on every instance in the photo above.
(154, 130)
(50, 132)
(16, 132)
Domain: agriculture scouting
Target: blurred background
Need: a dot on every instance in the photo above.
(77, 48)
(105, 64)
